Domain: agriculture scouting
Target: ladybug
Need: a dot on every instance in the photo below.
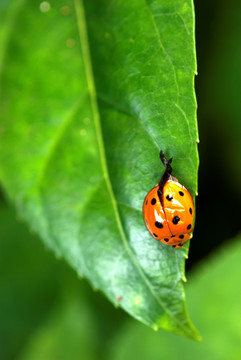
(168, 209)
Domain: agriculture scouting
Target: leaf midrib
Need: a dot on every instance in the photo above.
(81, 23)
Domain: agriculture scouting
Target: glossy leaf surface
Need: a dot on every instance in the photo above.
(83, 120)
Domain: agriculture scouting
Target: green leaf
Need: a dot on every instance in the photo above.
(91, 93)
(214, 296)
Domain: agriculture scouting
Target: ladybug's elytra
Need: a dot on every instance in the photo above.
(168, 209)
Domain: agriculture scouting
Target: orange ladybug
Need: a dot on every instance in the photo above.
(168, 209)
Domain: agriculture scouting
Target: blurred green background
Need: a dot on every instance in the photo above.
(46, 312)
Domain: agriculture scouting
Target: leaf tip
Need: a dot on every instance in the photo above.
(197, 337)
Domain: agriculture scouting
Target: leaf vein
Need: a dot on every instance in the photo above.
(56, 140)
(116, 108)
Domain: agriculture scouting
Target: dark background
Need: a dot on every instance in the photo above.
(217, 84)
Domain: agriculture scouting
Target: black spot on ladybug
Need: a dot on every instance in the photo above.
(153, 201)
(190, 210)
(158, 225)
(176, 220)
(181, 236)
(174, 246)
(166, 239)
(169, 197)
(155, 235)
(180, 244)
(146, 201)
(181, 193)
(189, 227)
(173, 236)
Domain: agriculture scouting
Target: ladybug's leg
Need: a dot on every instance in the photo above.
(178, 246)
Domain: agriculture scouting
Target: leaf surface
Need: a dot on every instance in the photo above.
(90, 94)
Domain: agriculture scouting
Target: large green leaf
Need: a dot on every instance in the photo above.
(81, 128)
